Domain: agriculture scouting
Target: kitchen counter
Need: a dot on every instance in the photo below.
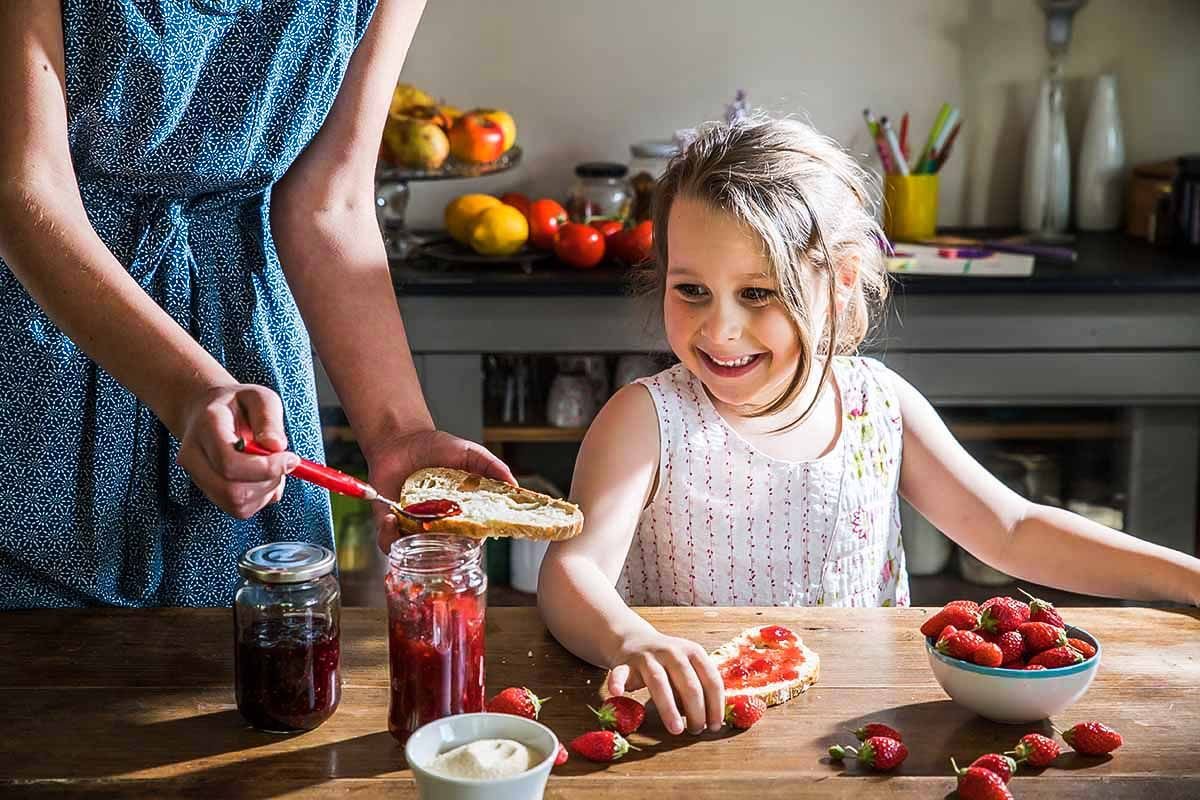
(1107, 263)
(140, 704)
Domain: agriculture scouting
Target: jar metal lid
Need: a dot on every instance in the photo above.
(286, 562)
(601, 169)
(664, 148)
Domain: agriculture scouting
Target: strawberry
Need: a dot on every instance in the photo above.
(1043, 611)
(1004, 615)
(968, 604)
(1058, 657)
(1092, 738)
(1012, 647)
(946, 633)
(977, 783)
(989, 637)
(960, 644)
(961, 617)
(988, 655)
(602, 746)
(518, 701)
(1033, 667)
(744, 710)
(561, 757)
(623, 714)
(1041, 636)
(1035, 750)
(1085, 648)
(877, 729)
(1002, 765)
(878, 752)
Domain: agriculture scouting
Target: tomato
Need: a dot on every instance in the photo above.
(635, 245)
(579, 245)
(517, 200)
(476, 139)
(545, 218)
(608, 228)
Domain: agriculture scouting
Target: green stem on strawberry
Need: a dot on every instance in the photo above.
(837, 752)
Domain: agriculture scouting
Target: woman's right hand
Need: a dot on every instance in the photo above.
(240, 483)
(671, 667)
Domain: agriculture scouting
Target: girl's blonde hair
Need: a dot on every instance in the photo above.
(808, 202)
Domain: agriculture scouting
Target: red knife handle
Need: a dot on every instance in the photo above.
(328, 477)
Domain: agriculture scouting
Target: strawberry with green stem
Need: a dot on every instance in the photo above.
(1043, 611)
(879, 753)
(1091, 738)
(623, 714)
(601, 746)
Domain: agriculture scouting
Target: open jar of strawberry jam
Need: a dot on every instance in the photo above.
(286, 619)
(436, 595)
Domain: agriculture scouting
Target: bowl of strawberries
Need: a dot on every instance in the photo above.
(1009, 660)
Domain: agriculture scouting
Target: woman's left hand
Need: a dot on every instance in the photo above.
(411, 452)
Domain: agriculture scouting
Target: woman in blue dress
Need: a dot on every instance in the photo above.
(183, 182)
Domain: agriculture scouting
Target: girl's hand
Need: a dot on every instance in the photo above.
(398, 459)
(671, 667)
(240, 483)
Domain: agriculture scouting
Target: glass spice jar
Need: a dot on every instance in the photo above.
(436, 596)
(286, 618)
(600, 191)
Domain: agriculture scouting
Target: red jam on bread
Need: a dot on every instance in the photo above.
(775, 660)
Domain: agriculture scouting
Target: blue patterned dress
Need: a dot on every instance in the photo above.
(182, 114)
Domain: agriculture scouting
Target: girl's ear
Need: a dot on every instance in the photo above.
(847, 280)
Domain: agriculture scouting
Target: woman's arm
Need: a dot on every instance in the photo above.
(51, 248)
(323, 220)
(614, 476)
(1033, 542)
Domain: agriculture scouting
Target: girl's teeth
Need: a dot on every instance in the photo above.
(737, 362)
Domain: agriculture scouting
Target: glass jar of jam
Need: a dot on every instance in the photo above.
(286, 620)
(600, 191)
(436, 602)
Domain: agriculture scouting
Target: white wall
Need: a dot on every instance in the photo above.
(585, 79)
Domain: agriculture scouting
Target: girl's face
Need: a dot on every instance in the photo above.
(723, 318)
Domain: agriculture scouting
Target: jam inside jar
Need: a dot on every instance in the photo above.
(287, 637)
(436, 595)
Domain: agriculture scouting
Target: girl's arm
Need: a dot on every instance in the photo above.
(614, 476)
(49, 244)
(1033, 542)
(323, 220)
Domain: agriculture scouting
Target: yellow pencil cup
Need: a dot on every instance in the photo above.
(910, 207)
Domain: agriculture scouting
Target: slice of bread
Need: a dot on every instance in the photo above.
(490, 508)
(774, 693)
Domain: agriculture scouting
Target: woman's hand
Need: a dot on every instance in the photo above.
(240, 483)
(395, 461)
(672, 668)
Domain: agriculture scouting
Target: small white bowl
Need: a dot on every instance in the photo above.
(1013, 695)
(434, 738)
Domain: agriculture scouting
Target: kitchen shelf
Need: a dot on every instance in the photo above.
(512, 434)
(964, 431)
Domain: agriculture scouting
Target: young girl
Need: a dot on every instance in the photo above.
(764, 468)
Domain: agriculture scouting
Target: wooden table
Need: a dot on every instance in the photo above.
(140, 704)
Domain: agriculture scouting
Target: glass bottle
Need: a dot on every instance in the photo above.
(287, 616)
(436, 596)
(600, 191)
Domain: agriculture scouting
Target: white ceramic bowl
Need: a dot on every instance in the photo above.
(1011, 695)
(436, 737)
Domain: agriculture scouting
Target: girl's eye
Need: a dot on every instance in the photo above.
(690, 291)
(757, 295)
